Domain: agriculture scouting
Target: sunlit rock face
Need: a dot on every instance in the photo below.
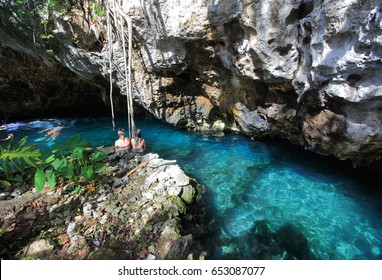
(306, 70)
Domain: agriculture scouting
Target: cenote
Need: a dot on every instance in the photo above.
(264, 199)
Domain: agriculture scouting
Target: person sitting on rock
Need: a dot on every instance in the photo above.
(137, 142)
(122, 142)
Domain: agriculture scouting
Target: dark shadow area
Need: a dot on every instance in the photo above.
(367, 176)
(259, 243)
(23, 225)
(301, 12)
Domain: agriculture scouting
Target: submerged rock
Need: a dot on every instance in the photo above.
(293, 241)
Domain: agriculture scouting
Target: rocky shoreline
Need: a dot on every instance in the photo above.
(134, 212)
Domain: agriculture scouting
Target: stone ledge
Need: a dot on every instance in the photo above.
(134, 214)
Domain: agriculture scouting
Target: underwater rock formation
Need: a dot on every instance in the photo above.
(305, 70)
(288, 242)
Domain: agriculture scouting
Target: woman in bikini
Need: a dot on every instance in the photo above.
(138, 143)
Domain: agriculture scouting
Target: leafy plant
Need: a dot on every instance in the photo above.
(97, 9)
(17, 157)
(47, 37)
(51, 4)
(72, 160)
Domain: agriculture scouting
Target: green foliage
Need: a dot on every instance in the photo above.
(4, 184)
(72, 160)
(17, 157)
(47, 37)
(97, 9)
(51, 4)
(39, 179)
(41, 15)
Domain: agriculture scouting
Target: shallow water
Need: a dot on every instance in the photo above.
(249, 181)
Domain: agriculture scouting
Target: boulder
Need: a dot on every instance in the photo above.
(39, 248)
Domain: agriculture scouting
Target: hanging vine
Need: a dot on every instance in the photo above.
(110, 58)
(93, 11)
(116, 20)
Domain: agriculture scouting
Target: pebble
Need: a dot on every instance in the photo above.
(76, 242)
(151, 257)
(150, 210)
(117, 182)
(95, 243)
(101, 198)
(16, 193)
(71, 229)
(104, 219)
(95, 214)
(39, 247)
(87, 209)
(116, 211)
(151, 249)
(148, 195)
(135, 215)
(4, 195)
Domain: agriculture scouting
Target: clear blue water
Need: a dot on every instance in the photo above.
(249, 181)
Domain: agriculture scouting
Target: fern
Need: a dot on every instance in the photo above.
(17, 156)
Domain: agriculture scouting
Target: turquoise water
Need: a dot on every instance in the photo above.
(255, 182)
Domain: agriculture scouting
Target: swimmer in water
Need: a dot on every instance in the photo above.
(9, 136)
(52, 133)
(138, 143)
(122, 141)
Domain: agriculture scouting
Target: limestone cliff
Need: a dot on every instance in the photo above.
(305, 70)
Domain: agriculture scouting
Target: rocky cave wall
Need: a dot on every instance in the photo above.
(305, 70)
(41, 77)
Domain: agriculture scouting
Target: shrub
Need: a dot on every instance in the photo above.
(73, 160)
